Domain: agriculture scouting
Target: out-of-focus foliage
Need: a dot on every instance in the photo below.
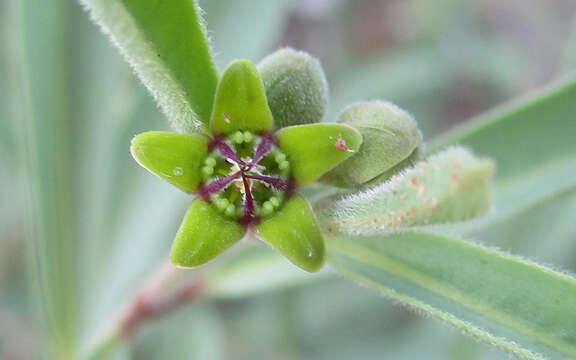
(69, 106)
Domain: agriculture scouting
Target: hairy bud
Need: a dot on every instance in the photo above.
(391, 143)
(296, 87)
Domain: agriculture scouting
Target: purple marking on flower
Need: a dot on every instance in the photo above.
(248, 199)
(276, 183)
(217, 185)
(266, 143)
(228, 153)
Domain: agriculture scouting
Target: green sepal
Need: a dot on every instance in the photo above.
(296, 87)
(176, 158)
(391, 141)
(316, 148)
(294, 232)
(204, 234)
(240, 102)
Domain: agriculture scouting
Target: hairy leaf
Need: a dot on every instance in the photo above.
(505, 301)
(532, 142)
(451, 186)
(165, 42)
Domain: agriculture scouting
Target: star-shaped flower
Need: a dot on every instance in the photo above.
(245, 175)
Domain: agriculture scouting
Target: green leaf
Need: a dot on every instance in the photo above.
(296, 87)
(176, 158)
(313, 149)
(532, 142)
(293, 231)
(46, 127)
(505, 301)
(165, 42)
(544, 229)
(240, 101)
(389, 136)
(451, 186)
(255, 270)
(204, 234)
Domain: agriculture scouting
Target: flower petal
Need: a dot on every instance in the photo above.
(204, 234)
(240, 102)
(316, 148)
(176, 158)
(293, 231)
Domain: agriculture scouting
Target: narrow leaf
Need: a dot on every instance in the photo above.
(451, 186)
(166, 44)
(253, 270)
(532, 142)
(42, 68)
(505, 301)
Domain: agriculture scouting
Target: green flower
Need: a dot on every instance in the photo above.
(246, 176)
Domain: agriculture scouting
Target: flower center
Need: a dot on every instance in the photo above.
(245, 176)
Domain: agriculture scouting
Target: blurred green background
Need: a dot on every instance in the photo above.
(82, 226)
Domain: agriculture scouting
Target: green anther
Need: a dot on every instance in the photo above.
(221, 203)
(230, 210)
(238, 137)
(248, 136)
(280, 157)
(284, 165)
(267, 208)
(207, 170)
(274, 201)
(210, 161)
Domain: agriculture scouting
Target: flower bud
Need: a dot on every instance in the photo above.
(296, 87)
(391, 142)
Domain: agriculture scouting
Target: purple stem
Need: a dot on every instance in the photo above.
(218, 185)
(249, 200)
(276, 183)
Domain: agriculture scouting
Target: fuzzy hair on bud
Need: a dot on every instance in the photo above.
(452, 186)
(296, 87)
(392, 142)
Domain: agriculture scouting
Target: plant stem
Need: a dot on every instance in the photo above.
(167, 289)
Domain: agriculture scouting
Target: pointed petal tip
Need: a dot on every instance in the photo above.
(293, 231)
(204, 234)
(314, 149)
(240, 102)
(175, 158)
